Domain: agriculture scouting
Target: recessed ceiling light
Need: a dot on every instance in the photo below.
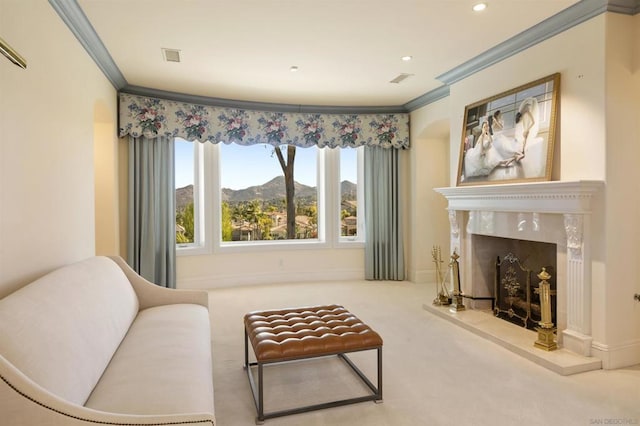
(407, 58)
(293, 69)
(479, 7)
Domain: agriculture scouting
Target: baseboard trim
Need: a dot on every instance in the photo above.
(423, 276)
(247, 279)
(617, 356)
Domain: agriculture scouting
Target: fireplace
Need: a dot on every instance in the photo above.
(508, 268)
(555, 214)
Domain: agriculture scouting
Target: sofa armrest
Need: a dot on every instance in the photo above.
(25, 403)
(150, 294)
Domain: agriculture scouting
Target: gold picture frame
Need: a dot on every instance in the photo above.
(509, 137)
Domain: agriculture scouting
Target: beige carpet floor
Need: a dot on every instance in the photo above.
(435, 373)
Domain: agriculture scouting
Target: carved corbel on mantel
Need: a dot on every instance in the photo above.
(453, 223)
(573, 225)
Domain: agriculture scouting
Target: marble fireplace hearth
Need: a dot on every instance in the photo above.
(557, 212)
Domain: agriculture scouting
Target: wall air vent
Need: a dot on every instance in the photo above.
(171, 55)
(400, 78)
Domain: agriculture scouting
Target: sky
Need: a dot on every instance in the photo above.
(245, 166)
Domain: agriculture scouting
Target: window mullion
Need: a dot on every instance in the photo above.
(331, 205)
(361, 203)
(212, 196)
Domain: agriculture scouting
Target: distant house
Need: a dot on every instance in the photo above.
(349, 226)
(304, 229)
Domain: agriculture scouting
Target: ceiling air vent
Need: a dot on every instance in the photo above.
(400, 78)
(171, 55)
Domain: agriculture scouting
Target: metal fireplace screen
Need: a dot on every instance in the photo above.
(517, 299)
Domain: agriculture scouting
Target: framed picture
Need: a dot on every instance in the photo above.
(509, 137)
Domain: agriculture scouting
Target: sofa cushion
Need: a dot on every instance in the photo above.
(163, 365)
(62, 329)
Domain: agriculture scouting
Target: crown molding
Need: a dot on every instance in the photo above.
(562, 21)
(73, 16)
(77, 21)
(427, 98)
(261, 106)
(627, 7)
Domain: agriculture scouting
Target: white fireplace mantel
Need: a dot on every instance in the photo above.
(540, 197)
(498, 210)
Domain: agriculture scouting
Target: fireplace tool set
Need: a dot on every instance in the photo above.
(442, 293)
(443, 297)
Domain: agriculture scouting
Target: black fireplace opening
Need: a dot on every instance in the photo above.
(515, 266)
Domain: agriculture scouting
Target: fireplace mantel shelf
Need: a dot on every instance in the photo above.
(541, 197)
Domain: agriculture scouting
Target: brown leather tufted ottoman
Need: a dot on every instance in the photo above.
(290, 334)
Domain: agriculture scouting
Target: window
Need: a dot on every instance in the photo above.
(254, 194)
(244, 190)
(189, 184)
(351, 193)
(184, 182)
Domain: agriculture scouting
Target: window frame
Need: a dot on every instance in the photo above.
(359, 239)
(207, 193)
(201, 244)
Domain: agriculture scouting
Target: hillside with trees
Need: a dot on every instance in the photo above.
(259, 212)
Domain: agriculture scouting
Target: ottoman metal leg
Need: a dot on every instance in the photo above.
(258, 397)
(258, 389)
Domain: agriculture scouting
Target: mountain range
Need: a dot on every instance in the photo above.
(271, 190)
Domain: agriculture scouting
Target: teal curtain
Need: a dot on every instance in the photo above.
(151, 245)
(384, 253)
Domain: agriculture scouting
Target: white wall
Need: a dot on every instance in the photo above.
(429, 168)
(267, 267)
(621, 345)
(46, 144)
(105, 160)
(578, 54)
(599, 139)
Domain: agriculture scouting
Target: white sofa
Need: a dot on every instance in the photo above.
(93, 343)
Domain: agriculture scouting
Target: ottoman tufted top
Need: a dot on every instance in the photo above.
(285, 334)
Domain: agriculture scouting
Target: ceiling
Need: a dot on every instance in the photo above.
(346, 51)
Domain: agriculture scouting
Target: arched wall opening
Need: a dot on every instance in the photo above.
(428, 223)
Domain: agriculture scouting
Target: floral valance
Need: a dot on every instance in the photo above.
(150, 117)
